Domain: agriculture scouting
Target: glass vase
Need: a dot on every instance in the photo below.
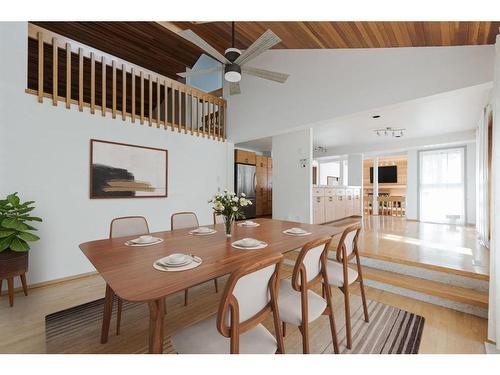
(228, 223)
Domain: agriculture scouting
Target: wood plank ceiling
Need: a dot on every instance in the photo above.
(154, 47)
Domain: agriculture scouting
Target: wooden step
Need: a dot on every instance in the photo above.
(432, 288)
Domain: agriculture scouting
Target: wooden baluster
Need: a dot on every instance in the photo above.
(191, 106)
(103, 89)
(150, 100)
(132, 72)
(55, 57)
(185, 111)
(197, 122)
(174, 110)
(172, 94)
(158, 103)
(165, 103)
(209, 123)
(40, 67)
(92, 82)
(80, 79)
(124, 92)
(218, 120)
(142, 97)
(113, 65)
(224, 117)
(180, 108)
(203, 119)
(212, 121)
(68, 76)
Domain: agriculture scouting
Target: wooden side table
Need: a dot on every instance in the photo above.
(13, 264)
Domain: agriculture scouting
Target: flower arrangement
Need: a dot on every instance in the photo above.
(230, 207)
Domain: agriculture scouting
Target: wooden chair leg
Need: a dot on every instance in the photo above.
(108, 309)
(345, 289)
(216, 286)
(284, 329)
(304, 329)
(186, 297)
(119, 315)
(10, 285)
(333, 329)
(363, 298)
(25, 284)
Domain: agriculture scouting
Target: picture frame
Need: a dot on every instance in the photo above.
(122, 170)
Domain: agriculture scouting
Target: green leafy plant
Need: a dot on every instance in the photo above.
(15, 233)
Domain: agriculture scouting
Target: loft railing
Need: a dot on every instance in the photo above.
(66, 71)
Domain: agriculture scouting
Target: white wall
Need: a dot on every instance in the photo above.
(326, 84)
(292, 183)
(412, 186)
(45, 157)
(355, 169)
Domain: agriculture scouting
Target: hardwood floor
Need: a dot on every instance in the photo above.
(23, 326)
(434, 246)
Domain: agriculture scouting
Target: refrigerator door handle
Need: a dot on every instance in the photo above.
(255, 182)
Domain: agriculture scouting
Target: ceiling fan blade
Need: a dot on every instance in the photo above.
(195, 39)
(234, 88)
(192, 73)
(266, 74)
(263, 43)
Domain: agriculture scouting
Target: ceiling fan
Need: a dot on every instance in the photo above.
(234, 61)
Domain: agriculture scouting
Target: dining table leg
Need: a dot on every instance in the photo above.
(108, 310)
(156, 319)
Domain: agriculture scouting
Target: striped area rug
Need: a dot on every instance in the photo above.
(77, 329)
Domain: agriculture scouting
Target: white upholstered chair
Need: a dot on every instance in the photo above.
(298, 304)
(341, 275)
(183, 220)
(249, 297)
(123, 227)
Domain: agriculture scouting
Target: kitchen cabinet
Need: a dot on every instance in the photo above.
(335, 203)
(245, 157)
(263, 193)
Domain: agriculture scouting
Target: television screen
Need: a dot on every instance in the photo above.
(386, 175)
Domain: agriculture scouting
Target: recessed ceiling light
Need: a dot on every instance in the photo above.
(376, 116)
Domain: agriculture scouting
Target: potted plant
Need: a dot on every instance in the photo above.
(230, 206)
(15, 235)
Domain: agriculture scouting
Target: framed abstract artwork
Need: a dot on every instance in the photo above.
(119, 170)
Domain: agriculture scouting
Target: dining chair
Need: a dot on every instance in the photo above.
(218, 218)
(298, 304)
(122, 227)
(182, 220)
(341, 275)
(250, 296)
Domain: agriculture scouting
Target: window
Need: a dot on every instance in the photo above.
(442, 186)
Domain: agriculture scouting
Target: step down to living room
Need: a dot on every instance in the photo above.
(467, 294)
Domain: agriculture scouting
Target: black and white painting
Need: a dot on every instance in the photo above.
(119, 170)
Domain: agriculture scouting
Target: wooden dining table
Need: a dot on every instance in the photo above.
(129, 273)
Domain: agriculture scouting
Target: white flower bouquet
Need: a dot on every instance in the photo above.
(230, 206)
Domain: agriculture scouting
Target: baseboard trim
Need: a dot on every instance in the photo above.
(54, 282)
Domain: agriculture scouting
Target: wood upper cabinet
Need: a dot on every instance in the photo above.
(261, 186)
(269, 186)
(245, 157)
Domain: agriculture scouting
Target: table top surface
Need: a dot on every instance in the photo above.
(129, 270)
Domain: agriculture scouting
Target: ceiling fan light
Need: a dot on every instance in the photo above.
(232, 73)
(232, 54)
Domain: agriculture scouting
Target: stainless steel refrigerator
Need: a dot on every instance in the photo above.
(245, 182)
